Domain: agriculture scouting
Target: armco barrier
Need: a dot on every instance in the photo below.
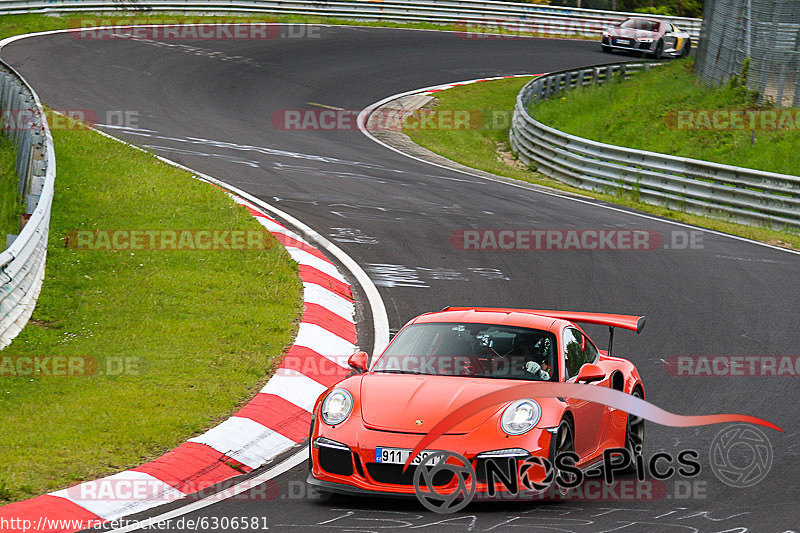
(515, 16)
(22, 263)
(738, 194)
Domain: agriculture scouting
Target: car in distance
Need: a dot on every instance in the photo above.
(364, 428)
(652, 37)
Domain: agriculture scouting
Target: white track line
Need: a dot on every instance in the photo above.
(377, 308)
(380, 319)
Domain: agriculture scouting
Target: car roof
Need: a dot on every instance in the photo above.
(500, 317)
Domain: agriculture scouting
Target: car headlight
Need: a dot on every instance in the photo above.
(520, 417)
(645, 40)
(606, 34)
(336, 407)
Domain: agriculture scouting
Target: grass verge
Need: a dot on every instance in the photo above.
(642, 113)
(486, 148)
(194, 332)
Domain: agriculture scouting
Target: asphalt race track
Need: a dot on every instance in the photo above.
(208, 105)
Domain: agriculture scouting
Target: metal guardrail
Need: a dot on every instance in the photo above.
(739, 194)
(22, 263)
(514, 17)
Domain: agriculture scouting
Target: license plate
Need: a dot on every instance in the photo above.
(623, 41)
(399, 456)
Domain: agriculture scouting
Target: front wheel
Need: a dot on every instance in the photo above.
(687, 48)
(659, 53)
(605, 48)
(563, 442)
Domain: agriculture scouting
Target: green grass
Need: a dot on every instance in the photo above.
(203, 328)
(486, 148)
(636, 113)
(18, 24)
(10, 204)
(488, 106)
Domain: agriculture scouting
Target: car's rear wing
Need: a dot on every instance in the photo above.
(630, 322)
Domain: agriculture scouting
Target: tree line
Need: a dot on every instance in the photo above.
(676, 8)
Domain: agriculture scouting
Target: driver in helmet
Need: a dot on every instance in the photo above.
(534, 352)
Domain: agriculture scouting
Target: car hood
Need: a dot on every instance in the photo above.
(396, 402)
(631, 33)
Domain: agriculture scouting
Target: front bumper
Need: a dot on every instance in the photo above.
(351, 490)
(355, 470)
(638, 47)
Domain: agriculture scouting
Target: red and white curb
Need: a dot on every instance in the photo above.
(273, 422)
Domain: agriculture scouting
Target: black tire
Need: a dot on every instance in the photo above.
(605, 48)
(634, 434)
(563, 442)
(659, 53)
(687, 48)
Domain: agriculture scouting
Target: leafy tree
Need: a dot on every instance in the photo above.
(682, 8)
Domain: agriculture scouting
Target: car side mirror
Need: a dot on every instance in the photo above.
(590, 373)
(358, 361)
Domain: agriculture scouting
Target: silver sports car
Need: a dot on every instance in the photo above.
(647, 36)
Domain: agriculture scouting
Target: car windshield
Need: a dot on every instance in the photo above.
(475, 350)
(640, 24)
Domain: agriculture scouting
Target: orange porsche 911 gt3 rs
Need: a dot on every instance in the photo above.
(364, 428)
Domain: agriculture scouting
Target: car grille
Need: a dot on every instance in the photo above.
(507, 468)
(335, 461)
(393, 474)
(645, 46)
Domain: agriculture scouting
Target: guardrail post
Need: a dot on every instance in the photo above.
(606, 71)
